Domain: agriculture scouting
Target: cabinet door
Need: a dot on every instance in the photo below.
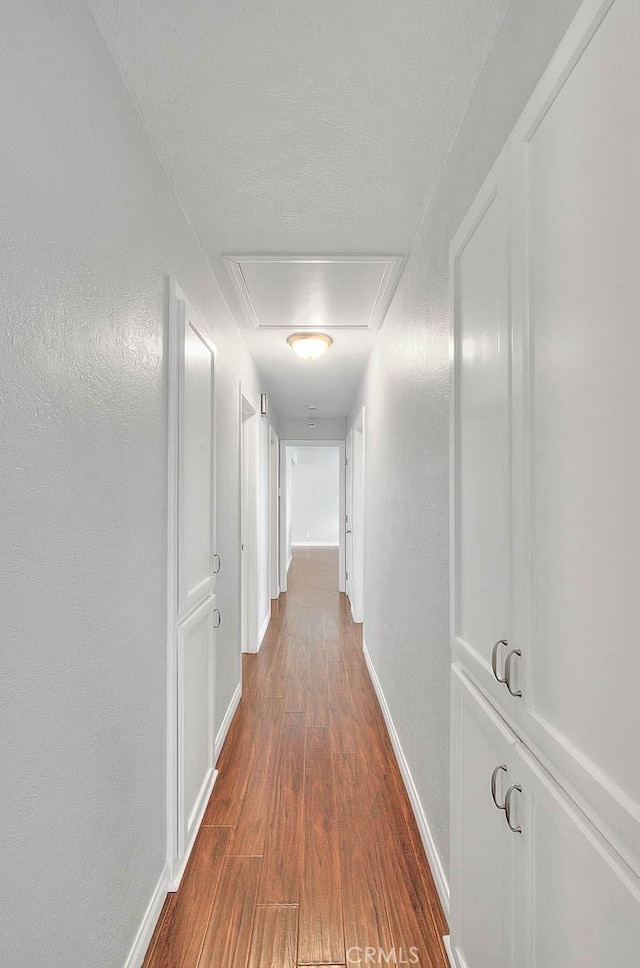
(578, 162)
(196, 723)
(482, 850)
(196, 550)
(480, 477)
(578, 905)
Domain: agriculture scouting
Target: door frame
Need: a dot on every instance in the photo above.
(248, 497)
(284, 500)
(175, 321)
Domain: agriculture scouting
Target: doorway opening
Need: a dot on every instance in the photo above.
(312, 500)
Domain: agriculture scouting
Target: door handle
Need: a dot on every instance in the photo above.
(494, 781)
(516, 829)
(216, 563)
(507, 673)
(494, 658)
(217, 624)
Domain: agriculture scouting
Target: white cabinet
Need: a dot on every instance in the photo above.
(482, 855)
(533, 883)
(576, 164)
(577, 904)
(545, 513)
(481, 466)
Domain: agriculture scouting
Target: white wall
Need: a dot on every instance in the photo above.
(405, 390)
(315, 496)
(90, 231)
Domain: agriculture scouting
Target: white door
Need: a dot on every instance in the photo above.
(577, 155)
(481, 467)
(348, 535)
(248, 528)
(577, 902)
(192, 613)
(483, 765)
(197, 561)
(357, 518)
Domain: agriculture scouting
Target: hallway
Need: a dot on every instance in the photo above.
(309, 853)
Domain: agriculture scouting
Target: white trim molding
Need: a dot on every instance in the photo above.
(435, 862)
(144, 933)
(228, 719)
(315, 544)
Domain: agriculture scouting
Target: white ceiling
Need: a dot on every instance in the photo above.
(304, 127)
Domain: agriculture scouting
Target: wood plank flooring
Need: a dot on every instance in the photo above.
(309, 853)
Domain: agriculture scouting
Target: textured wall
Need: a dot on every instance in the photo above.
(89, 232)
(405, 391)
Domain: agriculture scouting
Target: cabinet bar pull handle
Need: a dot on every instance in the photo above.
(494, 658)
(217, 563)
(216, 612)
(507, 807)
(494, 781)
(507, 673)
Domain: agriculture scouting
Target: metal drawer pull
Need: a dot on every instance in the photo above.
(507, 673)
(494, 781)
(494, 658)
(217, 564)
(216, 625)
(507, 807)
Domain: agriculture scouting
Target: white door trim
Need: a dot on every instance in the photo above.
(284, 497)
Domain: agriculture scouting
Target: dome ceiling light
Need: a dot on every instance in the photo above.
(309, 346)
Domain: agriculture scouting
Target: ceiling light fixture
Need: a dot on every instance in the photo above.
(309, 346)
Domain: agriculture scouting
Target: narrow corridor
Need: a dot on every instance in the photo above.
(309, 853)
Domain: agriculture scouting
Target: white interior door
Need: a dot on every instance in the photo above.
(193, 564)
(348, 543)
(196, 530)
(248, 528)
(274, 506)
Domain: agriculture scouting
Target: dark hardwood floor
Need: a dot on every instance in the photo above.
(309, 853)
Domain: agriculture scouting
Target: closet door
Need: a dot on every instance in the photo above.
(577, 153)
(480, 474)
(482, 848)
(578, 905)
(197, 561)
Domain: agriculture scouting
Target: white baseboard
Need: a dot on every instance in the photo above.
(314, 544)
(263, 628)
(435, 862)
(149, 921)
(449, 950)
(228, 719)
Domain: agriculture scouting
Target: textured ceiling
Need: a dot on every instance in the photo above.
(301, 126)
